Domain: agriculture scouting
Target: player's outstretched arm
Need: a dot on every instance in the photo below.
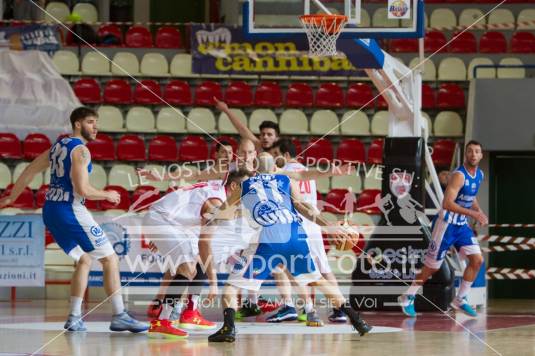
(242, 129)
(80, 178)
(38, 165)
(315, 173)
(339, 234)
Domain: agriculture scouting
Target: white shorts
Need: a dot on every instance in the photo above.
(177, 244)
(315, 244)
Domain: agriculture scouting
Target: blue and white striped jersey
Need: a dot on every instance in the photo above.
(465, 197)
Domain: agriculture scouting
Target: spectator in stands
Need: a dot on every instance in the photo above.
(26, 10)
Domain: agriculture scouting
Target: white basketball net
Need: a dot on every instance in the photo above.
(322, 32)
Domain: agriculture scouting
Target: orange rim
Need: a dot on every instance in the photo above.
(326, 21)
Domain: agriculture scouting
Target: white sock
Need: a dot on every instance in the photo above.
(413, 289)
(117, 305)
(76, 305)
(166, 311)
(289, 302)
(179, 307)
(464, 289)
(195, 300)
(309, 306)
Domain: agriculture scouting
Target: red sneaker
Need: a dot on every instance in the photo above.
(193, 320)
(268, 306)
(163, 329)
(154, 309)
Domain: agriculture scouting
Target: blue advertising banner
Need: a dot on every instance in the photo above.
(22, 249)
(218, 49)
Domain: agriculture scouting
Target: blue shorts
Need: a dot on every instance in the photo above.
(75, 230)
(261, 261)
(444, 236)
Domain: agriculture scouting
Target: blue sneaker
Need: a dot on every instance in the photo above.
(406, 302)
(462, 305)
(337, 316)
(285, 313)
(125, 322)
(75, 323)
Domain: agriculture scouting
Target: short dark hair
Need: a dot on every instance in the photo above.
(474, 143)
(222, 143)
(237, 176)
(269, 125)
(81, 113)
(285, 145)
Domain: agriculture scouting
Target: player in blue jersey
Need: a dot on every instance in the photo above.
(272, 202)
(71, 224)
(450, 228)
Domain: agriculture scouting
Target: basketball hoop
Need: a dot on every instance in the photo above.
(322, 32)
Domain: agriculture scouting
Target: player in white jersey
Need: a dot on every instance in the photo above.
(450, 228)
(285, 156)
(71, 224)
(223, 157)
(174, 223)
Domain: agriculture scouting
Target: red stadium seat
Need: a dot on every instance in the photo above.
(465, 42)
(193, 148)
(102, 148)
(87, 90)
(429, 100)
(34, 144)
(124, 204)
(367, 198)
(375, 152)
(138, 37)
(299, 95)
(25, 199)
(351, 150)
(268, 94)
(360, 95)
(492, 42)
(131, 148)
(231, 140)
(320, 150)
(10, 146)
(336, 201)
(239, 94)
(443, 152)
(168, 37)
(178, 92)
(403, 45)
(40, 196)
(163, 148)
(147, 92)
(204, 93)
(329, 95)
(450, 96)
(144, 196)
(117, 91)
(298, 148)
(434, 41)
(110, 34)
(523, 42)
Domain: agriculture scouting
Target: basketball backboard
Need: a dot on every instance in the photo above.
(366, 18)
